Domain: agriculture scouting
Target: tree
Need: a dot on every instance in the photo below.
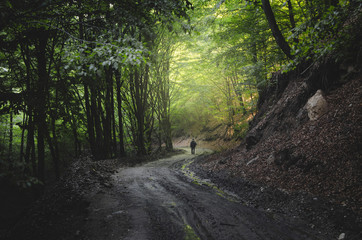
(284, 46)
(67, 67)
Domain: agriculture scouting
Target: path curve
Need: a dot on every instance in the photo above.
(165, 200)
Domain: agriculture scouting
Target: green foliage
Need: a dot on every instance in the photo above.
(68, 71)
(86, 59)
(319, 39)
(325, 33)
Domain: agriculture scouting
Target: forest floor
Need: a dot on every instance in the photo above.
(166, 199)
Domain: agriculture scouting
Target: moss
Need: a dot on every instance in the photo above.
(190, 233)
(198, 181)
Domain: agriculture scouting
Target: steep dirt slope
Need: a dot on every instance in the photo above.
(322, 156)
(318, 160)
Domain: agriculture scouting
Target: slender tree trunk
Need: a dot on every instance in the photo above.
(54, 140)
(113, 119)
(140, 113)
(33, 157)
(137, 88)
(238, 92)
(29, 143)
(107, 126)
(120, 115)
(279, 38)
(100, 125)
(291, 14)
(160, 130)
(41, 100)
(291, 18)
(90, 122)
(54, 155)
(252, 100)
(166, 109)
(77, 145)
(241, 100)
(11, 127)
(55, 143)
(29, 111)
(98, 145)
(25, 116)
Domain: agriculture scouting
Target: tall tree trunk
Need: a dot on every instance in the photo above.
(29, 142)
(54, 155)
(90, 122)
(166, 108)
(291, 13)
(33, 157)
(41, 100)
(54, 141)
(97, 125)
(291, 19)
(279, 38)
(160, 130)
(77, 144)
(56, 147)
(29, 109)
(113, 118)
(100, 124)
(238, 92)
(137, 88)
(25, 117)
(11, 127)
(107, 126)
(140, 114)
(120, 115)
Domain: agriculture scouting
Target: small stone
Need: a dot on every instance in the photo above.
(270, 159)
(118, 212)
(342, 236)
(252, 160)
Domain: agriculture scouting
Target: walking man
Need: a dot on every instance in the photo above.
(193, 146)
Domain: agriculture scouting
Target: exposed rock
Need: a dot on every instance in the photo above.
(316, 106)
(342, 236)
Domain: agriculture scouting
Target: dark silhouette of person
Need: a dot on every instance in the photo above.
(193, 146)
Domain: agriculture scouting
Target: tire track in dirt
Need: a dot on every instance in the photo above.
(162, 200)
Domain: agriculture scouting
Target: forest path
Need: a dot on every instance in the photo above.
(164, 200)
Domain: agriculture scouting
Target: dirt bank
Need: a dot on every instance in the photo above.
(311, 169)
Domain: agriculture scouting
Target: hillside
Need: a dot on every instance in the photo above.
(286, 151)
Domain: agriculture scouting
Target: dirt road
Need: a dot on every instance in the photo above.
(165, 200)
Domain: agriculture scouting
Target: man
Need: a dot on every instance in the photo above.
(193, 146)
